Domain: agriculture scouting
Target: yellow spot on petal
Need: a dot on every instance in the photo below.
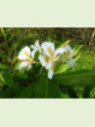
(46, 58)
(27, 55)
(50, 50)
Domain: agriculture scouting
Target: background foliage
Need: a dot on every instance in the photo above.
(78, 82)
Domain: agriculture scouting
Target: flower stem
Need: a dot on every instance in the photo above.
(46, 88)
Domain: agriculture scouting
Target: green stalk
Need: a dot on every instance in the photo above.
(47, 88)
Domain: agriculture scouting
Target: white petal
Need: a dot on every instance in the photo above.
(23, 65)
(58, 52)
(41, 58)
(33, 53)
(50, 44)
(49, 64)
(37, 43)
(33, 46)
(68, 47)
(36, 47)
(71, 62)
(22, 55)
(46, 46)
(50, 74)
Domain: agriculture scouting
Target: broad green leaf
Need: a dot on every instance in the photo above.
(25, 92)
(45, 88)
(41, 87)
(53, 90)
(76, 78)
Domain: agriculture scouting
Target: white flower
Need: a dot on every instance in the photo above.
(48, 48)
(36, 48)
(69, 50)
(25, 57)
(68, 57)
(49, 56)
(45, 61)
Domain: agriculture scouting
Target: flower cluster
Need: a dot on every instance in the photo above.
(48, 56)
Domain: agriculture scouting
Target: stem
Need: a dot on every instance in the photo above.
(46, 88)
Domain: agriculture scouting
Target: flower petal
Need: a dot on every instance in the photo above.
(37, 43)
(48, 48)
(49, 64)
(71, 62)
(23, 65)
(33, 53)
(50, 73)
(35, 48)
(58, 52)
(68, 48)
(22, 55)
(41, 58)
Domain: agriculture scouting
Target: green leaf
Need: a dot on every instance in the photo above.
(77, 49)
(41, 87)
(6, 78)
(62, 68)
(25, 92)
(45, 88)
(76, 78)
(53, 90)
(4, 66)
